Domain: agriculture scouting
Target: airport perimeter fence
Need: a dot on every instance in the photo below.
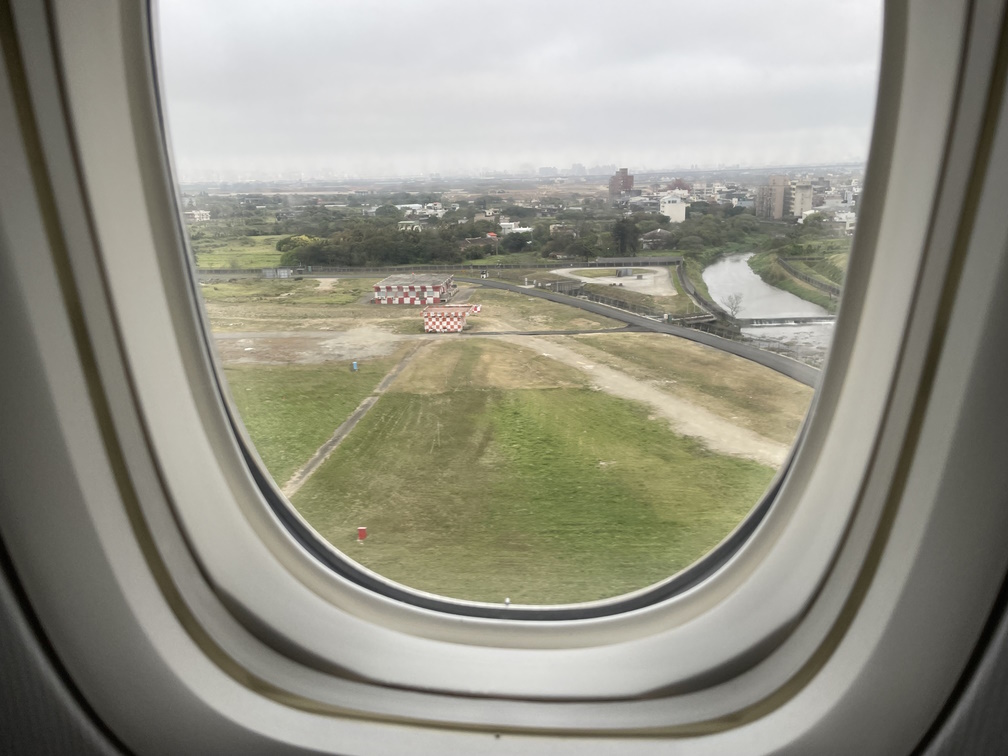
(619, 304)
(712, 307)
(427, 268)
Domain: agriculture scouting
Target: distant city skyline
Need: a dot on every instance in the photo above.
(360, 89)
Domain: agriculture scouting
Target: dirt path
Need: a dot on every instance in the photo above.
(304, 472)
(686, 418)
(326, 284)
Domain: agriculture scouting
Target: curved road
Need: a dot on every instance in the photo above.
(785, 365)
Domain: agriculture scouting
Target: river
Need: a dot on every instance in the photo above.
(732, 275)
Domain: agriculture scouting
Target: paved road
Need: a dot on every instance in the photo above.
(785, 365)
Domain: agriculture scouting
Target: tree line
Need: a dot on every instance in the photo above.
(342, 236)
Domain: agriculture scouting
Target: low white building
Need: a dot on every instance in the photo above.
(673, 207)
(513, 227)
(424, 288)
(848, 221)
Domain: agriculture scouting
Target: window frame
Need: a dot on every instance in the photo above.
(261, 644)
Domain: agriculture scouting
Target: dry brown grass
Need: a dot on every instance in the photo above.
(483, 364)
(750, 395)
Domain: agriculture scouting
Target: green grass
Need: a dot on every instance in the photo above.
(811, 269)
(290, 411)
(764, 264)
(543, 496)
(694, 272)
(505, 258)
(749, 395)
(236, 252)
(832, 268)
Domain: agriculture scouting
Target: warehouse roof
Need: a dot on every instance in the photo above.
(415, 279)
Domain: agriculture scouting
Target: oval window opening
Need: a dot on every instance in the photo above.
(522, 307)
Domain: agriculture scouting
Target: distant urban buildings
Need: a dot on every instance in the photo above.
(769, 201)
(672, 206)
(620, 184)
(799, 199)
(513, 227)
(783, 198)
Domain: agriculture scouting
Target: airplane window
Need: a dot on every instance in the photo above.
(523, 307)
(140, 525)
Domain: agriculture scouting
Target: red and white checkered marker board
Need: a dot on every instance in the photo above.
(447, 318)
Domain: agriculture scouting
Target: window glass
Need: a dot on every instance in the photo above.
(520, 304)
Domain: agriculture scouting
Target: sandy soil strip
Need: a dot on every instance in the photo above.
(686, 418)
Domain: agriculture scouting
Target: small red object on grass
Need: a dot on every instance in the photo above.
(361, 534)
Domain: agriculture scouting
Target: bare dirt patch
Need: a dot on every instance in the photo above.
(686, 417)
(750, 395)
(655, 282)
(305, 347)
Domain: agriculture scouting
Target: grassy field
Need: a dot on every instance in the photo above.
(506, 310)
(236, 252)
(489, 470)
(287, 292)
(483, 363)
(832, 268)
(481, 483)
(750, 395)
(291, 410)
(255, 304)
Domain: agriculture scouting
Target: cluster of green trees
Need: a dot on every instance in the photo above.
(320, 237)
(371, 245)
(799, 240)
(343, 236)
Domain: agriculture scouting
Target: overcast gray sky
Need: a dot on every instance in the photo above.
(403, 87)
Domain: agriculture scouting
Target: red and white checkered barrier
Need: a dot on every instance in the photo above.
(447, 318)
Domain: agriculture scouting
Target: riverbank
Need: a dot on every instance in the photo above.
(766, 266)
(731, 276)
